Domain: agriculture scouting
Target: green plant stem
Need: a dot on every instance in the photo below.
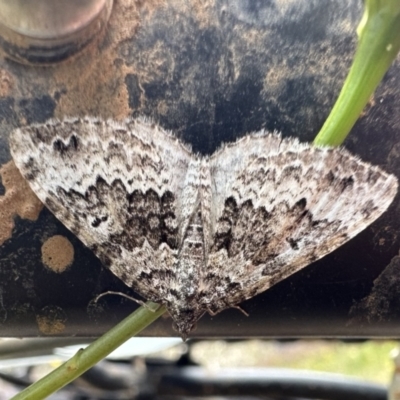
(95, 352)
(379, 43)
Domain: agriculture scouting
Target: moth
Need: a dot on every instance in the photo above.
(198, 233)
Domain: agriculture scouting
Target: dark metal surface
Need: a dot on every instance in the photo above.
(210, 71)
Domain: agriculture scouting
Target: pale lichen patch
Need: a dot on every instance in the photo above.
(51, 320)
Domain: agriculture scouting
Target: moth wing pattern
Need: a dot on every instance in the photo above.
(279, 205)
(113, 184)
(198, 233)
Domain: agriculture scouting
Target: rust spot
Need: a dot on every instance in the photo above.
(51, 320)
(57, 253)
(18, 199)
(6, 83)
(385, 238)
(95, 81)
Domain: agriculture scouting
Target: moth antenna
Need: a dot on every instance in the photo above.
(140, 302)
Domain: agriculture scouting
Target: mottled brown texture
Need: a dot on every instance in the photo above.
(57, 253)
(17, 200)
(198, 234)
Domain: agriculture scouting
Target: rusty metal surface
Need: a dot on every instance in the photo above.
(211, 71)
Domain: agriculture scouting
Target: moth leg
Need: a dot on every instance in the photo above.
(212, 313)
(241, 310)
(140, 302)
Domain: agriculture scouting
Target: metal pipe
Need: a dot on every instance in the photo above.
(46, 31)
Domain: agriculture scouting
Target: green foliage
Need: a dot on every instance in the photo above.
(378, 45)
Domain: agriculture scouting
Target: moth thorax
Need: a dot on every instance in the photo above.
(191, 256)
